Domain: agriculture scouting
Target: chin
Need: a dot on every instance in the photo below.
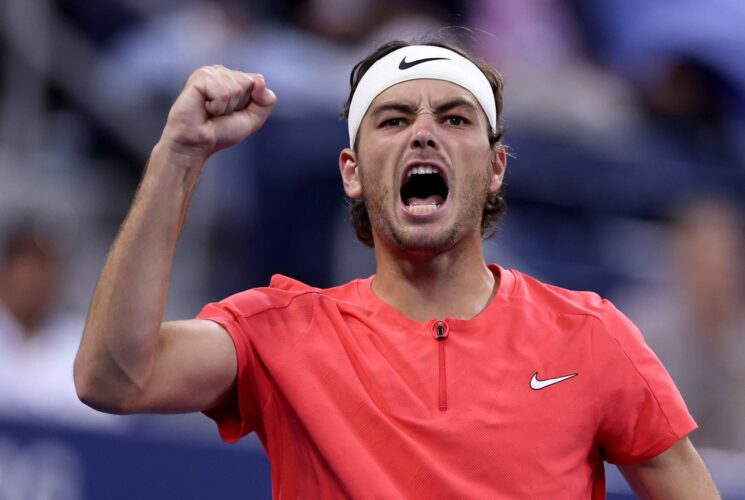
(423, 241)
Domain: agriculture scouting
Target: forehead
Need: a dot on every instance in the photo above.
(424, 91)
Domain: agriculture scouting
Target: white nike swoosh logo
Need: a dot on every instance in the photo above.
(536, 384)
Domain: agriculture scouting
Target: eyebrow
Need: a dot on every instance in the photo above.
(406, 109)
(455, 103)
(409, 109)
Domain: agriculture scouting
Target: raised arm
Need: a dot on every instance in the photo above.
(676, 473)
(128, 360)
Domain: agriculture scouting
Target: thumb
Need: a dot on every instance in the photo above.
(260, 105)
(261, 95)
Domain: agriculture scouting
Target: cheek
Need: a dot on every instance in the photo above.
(376, 168)
(376, 154)
(370, 184)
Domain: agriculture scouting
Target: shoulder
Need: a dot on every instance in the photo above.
(285, 295)
(277, 316)
(533, 293)
(603, 324)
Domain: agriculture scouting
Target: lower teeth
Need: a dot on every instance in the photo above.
(423, 208)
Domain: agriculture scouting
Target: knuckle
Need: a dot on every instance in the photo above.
(244, 77)
(203, 71)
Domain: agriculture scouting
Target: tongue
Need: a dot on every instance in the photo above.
(430, 200)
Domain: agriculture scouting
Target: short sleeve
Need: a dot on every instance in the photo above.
(641, 412)
(238, 415)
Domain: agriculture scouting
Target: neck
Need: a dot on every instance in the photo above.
(454, 284)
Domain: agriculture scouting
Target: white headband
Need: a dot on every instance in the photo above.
(416, 62)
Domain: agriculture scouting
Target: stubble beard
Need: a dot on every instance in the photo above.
(423, 240)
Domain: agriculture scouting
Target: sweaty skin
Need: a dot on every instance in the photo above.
(429, 265)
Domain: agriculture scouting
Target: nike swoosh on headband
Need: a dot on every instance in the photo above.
(406, 65)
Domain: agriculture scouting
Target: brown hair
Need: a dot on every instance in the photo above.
(495, 204)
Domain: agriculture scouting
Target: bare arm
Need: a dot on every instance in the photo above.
(128, 361)
(676, 473)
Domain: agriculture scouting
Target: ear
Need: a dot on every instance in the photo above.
(499, 165)
(349, 174)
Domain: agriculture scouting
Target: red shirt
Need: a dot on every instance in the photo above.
(350, 398)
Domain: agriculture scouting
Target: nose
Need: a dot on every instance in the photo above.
(424, 132)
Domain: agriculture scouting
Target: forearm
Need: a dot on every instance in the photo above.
(120, 339)
(677, 473)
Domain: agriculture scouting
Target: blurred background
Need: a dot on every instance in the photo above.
(627, 131)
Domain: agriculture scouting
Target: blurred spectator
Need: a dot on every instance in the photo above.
(38, 339)
(552, 86)
(690, 105)
(686, 59)
(695, 319)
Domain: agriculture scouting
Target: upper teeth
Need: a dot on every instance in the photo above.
(422, 170)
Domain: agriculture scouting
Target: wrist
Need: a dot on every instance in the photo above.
(170, 159)
(189, 142)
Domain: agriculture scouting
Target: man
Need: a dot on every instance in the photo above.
(438, 377)
(38, 336)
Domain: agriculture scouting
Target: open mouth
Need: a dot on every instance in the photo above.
(423, 189)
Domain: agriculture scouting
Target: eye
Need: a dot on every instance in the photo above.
(456, 120)
(392, 122)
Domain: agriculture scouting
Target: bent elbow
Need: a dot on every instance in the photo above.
(98, 393)
(101, 400)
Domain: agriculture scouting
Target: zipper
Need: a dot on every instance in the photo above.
(440, 332)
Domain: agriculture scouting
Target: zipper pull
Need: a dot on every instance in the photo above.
(441, 335)
(440, 330)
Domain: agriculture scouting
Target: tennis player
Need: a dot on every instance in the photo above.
(440, 376)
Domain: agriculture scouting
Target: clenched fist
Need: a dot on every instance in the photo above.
(217, 108)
